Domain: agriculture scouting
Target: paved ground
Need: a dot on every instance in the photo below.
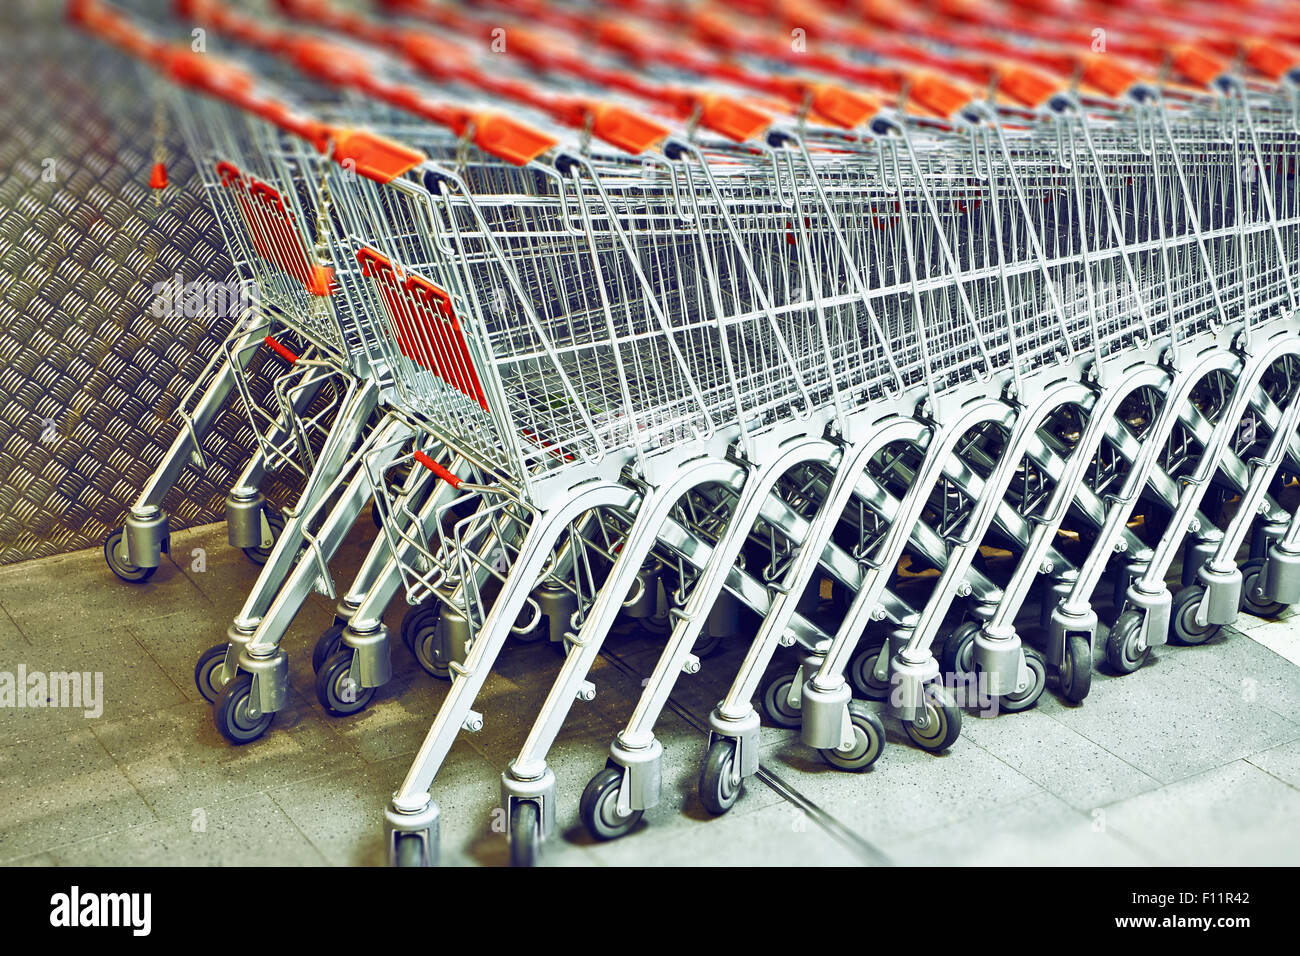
(1193, 760)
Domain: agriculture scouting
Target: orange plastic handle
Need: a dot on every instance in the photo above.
(731, 118)
(1272, 59)
(450, 477)
(938, 95)
(1197, 65)
(1027, 87)
(626, 129)
(508, 139)
(1107, 74)
(841, 106)
(330, 61)
(375, 157)
(95, 17)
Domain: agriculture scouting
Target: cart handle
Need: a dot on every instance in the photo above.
(450, 477)
(339, 65)
(371, 155)
(281, 350)
(727, 116)
(100, 19)
(611, 122)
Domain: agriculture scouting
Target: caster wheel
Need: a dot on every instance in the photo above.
(119, 563)
(233, 716)
(207, 672)
(956, 658)
(1252, 598)
(862, 672)
(598, 808)
(417, 618)
(1184, 628)
(868, 741)
(409, 850)
(1122, 652)
(776, 701)
(337, 691)
(939, 728)
(718, 788)
(331, 640)
(525, 832)
(1023, 700)
(655, 626)
(1075, 672)
(430, 649)
(706, 645)
(259, 555)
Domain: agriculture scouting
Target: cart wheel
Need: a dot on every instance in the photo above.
(776, 702)
(862, 672)
(718, 791)
(706, 645)
(232, 715)
(337, 691)
(430, 649)
(259, 555)
(330, 640)
(598, 808)
(940, 726)
(525, 832)
(1183, 617)
(958, 652)
(207, 672)
(1075, 672)
(409, 851)
(119, 563)
(1023, 700)
(655, 626)
(1122, 645)
(418, 617)
(1252, 597)
(868, 741)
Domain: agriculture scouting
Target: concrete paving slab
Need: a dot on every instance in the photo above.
(777, 835)
(907, 790)
(1282, 761)
(1039, 830)
(1228, 815)
(178, 762)
(75, 595)
(251, 831)
(1063, 762)
(1170, 721)
(73, 681)
(64, 789)
(11, 638)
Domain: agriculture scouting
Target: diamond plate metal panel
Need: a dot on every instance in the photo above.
(89, 377)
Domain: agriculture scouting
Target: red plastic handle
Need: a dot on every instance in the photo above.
(280, 350)
(448, 476)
